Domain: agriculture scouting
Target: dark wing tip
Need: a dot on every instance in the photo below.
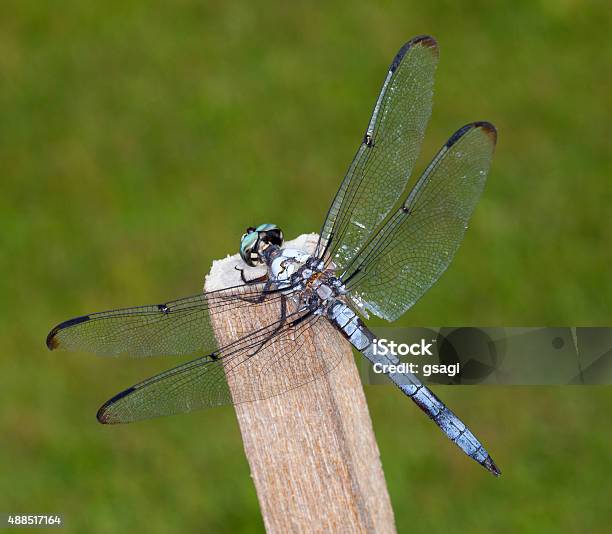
(424, 40)
(52, 341)
(485, 126)
(428, 41)
(490, 466)
(104, 416)
(489, 129)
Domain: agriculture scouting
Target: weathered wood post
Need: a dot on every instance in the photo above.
(312, 452)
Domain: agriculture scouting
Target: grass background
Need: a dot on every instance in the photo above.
(138, 140)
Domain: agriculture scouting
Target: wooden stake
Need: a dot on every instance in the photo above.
(312, 452)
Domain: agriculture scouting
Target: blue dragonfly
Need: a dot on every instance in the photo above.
(381, 247)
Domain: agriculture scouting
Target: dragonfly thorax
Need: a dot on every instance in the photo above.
(284, 264)
(311, 284)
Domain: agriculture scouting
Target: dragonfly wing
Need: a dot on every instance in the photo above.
(178, 327)
(261, 365)
(197, 384)
(378, 174)
(416, 245)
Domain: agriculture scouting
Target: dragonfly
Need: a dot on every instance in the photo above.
(382, 245)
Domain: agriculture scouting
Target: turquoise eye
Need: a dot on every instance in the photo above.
(247, 241)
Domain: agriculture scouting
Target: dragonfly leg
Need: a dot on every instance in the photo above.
(253, 281)
(282, 321)
(258, 299)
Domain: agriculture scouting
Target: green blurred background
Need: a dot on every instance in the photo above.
(139, 139)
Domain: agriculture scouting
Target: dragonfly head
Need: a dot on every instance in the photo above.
(256, 240)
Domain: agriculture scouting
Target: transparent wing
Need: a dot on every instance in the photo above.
(418, 242)
(178, 327)
(263, 364)
(378, 174)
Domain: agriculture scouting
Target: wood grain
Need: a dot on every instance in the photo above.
(312, 452)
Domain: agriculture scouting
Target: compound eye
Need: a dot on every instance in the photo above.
(248, 245)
